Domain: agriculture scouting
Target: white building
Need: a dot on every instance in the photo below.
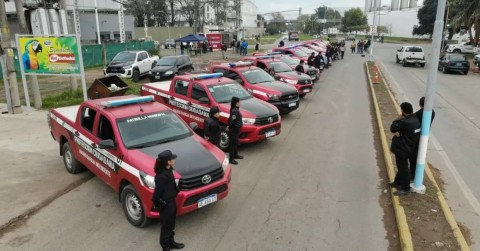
(399, 17)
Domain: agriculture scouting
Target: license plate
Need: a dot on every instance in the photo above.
(313, 78)
(270, 133)
(207, 200)
(157, 77)
(292, 104)
(306, 90)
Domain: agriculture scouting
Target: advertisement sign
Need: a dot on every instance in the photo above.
(215, 40)
(49, 55)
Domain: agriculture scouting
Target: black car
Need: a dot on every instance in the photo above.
(169, 66)
(454, 62)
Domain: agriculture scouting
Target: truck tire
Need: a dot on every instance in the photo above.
(71, 164)
(444, 70)
(136, 75)
(466, 72)
(224, 140)
(422, 65)
(302, 95)
(457, 51)
(133, 207)
(398, 60)
(404, 63)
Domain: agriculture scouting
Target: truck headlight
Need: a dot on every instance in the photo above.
(147, 180)
(248, 121)
(225, 163)
(273, 97)
(291, 81)
(168, 73)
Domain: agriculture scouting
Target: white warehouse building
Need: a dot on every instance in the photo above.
(399, 17)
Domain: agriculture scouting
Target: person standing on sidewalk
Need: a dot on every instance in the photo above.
(342, 50)
(235, 124)
(413, 157)
(244, 47)
(352, 47)
(406, 130)
(164, 196)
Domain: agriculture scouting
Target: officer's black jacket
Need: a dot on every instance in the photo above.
(409, 129)
(165, 187)
(419, 115)
(235, 119)
(212, 130)
(299, 68)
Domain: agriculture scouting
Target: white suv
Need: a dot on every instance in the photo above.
(411, 55)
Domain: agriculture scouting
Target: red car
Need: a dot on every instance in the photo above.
(118, 139)
(283, 72)
(261, 85)
(297, 52)
(192, 96)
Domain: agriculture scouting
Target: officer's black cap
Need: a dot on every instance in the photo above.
(167, 155)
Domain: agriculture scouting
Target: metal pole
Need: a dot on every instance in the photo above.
(7, 47)
(445, 29)
(82, 70)
(63, 3)
(6, 85)
(418, 186)
(98, 25)
(372, 41)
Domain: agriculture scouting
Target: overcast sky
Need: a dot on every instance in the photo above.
(308, 6)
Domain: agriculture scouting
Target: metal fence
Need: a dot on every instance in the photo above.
(99, 54)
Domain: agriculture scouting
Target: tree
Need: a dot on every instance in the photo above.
(190, 9)
(150, 12)
(466, 13)
(354, 20)
(171, 5)
(329, 14)
(277, 22)
(426, 18)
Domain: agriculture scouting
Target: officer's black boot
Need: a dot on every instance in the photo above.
(176, 245)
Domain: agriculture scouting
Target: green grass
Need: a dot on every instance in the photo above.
(69, 98)
(304, 37)
(399, 40)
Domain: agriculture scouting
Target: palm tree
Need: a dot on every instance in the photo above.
(467, 13)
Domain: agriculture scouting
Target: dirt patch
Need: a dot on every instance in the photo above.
(428, 226)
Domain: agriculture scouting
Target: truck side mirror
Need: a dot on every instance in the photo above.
(204, 100)
(107, 144)
(194, 126)
(399, 50)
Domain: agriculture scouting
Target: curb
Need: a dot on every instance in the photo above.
(462, 243)
(403, 229)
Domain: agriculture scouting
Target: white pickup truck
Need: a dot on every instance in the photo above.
(463, 47)
(131, 64)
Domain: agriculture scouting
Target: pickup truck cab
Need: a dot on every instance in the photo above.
(283, 72)
(463, 47)
(410, 55)
(192, 96)
(118, 139)
(130, 64)
(261, 85)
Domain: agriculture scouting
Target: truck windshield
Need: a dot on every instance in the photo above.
(223, 93)
(167, 61)
(151, 129)
(257, 76)
(280, 67)
(290, 60)
(125, 56)
(300, 53)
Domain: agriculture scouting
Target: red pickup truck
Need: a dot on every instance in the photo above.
(283, 72)
(118, 139)
(262, 86)
(192, 96)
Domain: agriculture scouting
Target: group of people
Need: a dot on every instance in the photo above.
(405, 142)
(240, 47)
(166, 189)
(360, 47)
(205, 46)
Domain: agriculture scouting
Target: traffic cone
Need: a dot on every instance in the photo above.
(377, 79)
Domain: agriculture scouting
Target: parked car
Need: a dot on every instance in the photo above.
(130, 64)
(463, 47)
(293, 36)
(350, 37)
(169, 66)
(170, 43)
(411, 55)
(454, 62)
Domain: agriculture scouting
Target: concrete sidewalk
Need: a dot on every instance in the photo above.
(31, 169)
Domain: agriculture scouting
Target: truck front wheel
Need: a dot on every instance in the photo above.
(71, 164)
(224, 140)
(136, 76)
(133, 207)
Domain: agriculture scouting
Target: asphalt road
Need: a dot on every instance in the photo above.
(455, 141)
(314, 187)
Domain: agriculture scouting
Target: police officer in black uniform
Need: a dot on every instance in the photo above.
(164, 199)
(212, 126)
(299, 67)
(406, 131)
(234, 126)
